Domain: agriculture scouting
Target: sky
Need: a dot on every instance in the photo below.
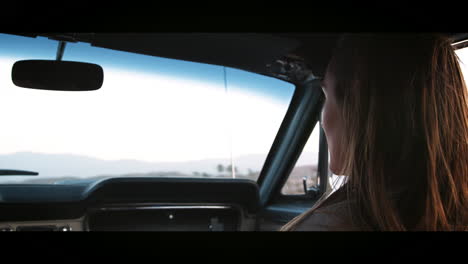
(149, 108)
(43, 48)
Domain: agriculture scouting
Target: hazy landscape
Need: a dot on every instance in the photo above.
(70, 169)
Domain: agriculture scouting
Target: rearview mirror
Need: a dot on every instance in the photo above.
(57, 75)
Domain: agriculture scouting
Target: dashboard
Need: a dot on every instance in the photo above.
(132, 204)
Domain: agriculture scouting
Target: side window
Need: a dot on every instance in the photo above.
(306, 166)
(463, 56)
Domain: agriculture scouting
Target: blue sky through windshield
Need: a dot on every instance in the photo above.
(152, 115)
(44, 48)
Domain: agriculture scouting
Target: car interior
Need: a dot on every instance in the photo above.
(230, 197)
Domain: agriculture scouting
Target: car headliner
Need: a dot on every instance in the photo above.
(247, 51)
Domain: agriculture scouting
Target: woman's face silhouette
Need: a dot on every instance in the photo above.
(332, 123)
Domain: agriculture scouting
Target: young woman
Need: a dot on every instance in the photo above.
(396, 121)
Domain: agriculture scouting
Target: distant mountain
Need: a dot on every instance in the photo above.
(76, 166)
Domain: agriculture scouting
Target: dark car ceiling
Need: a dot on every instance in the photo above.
(248, 51)
(245, 51)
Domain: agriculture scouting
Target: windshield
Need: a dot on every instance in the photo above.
(152, 117)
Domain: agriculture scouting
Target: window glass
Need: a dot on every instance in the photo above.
(463, 56)
(152, 117)
(306, 166)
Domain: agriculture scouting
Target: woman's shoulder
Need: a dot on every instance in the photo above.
(333, 217)
(335, 214)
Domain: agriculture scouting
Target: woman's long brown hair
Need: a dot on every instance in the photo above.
(404, 105)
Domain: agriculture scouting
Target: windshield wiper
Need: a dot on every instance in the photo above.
(17, 172)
